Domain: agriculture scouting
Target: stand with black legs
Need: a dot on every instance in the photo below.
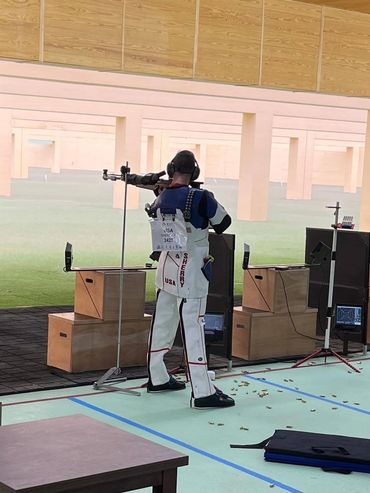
(326, 350)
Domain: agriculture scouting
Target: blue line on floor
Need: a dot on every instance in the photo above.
(307, 394)
(185, 445)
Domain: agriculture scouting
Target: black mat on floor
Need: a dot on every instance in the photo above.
(23, 348)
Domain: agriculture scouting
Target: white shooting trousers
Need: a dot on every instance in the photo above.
(170, 310)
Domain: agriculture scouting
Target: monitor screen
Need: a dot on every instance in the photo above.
(348, 316)
(213, 323)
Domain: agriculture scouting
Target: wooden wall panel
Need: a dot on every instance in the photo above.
(19, 29)
(159, 37)
(359, 5)
(304, 46)
(229, 41)
(84, 32)
(346, 53)
(291, 45)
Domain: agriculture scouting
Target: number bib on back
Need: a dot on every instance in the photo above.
(169, 232)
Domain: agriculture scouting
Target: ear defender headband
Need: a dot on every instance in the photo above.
(183, 167)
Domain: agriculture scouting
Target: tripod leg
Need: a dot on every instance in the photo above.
(312, 355)
(343, 360)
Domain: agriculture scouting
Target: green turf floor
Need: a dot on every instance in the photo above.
(47, 210)
(324, 399)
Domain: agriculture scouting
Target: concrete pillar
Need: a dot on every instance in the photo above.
(201, 157)
(362, 153)
(296, 164)
(361, 166)
(5, 153)
(150, 153)
(351, 169)
(19, 169)
(153, 159)
(165, 153)
(17, 142)
(255, 156)
(127, 148)
(57, 146)
(308, 166)
(365, 193)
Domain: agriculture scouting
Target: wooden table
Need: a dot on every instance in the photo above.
(78, 454)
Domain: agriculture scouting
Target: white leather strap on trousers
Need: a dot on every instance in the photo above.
(170, 311)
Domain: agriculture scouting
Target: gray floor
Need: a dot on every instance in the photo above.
(23, 348)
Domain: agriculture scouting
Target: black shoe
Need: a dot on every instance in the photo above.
(172, 384)
(218, 399)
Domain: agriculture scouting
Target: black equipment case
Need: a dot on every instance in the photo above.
(330, 452)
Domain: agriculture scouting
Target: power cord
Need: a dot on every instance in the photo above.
(290, 315)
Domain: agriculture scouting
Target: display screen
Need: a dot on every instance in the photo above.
(213, 322)
(348, 316)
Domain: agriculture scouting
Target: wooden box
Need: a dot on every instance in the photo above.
(274, 290)
(260, 335)
(97, 294)
(78, 343)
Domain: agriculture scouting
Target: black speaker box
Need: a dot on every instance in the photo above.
(221, 289)
(351, 280)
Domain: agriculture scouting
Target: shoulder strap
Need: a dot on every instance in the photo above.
(188, 204)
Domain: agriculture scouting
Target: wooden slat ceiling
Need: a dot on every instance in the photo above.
(359, 5)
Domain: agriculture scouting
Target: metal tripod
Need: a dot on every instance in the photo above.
(326, 350)
(106, 380)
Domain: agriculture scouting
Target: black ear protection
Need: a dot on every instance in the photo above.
(171, 168)
(196, 171)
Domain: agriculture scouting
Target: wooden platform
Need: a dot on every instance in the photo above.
(78, 343)
(274, 320)
(261, 335)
